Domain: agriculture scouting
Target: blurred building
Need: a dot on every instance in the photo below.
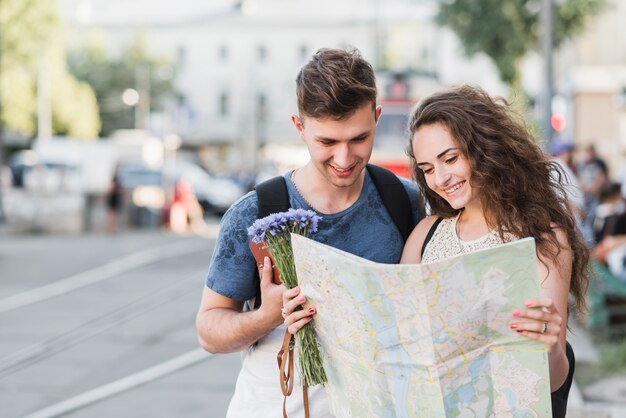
(239, 60)
(591, 78)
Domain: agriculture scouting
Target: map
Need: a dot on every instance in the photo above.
(426, 340)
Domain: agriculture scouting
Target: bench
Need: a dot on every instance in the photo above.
(607, 303)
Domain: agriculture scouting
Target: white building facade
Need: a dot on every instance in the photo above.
(591, 75)
(239, 60)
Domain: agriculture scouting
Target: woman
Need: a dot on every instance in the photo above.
(487, 182)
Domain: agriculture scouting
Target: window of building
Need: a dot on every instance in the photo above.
(261, 107)
(223, 52)
(303, 52)
(261, 52)
(181, 54)
(224, 104)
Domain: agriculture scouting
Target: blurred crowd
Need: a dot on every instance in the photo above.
(598, 199)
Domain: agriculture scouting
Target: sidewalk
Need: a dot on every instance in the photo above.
(609, 395)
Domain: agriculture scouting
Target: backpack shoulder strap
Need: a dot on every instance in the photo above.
(273, 196)
(395, 198)
(429, 235)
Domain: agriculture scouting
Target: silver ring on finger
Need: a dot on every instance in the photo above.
(545, 328)
(283, 312)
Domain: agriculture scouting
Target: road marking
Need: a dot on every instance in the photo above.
(98, 274)
(129, 382)
(28, 356)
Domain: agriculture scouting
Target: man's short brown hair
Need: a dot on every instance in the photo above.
(334, 84)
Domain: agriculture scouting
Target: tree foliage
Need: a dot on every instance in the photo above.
(110, 76)
(506, 30)
(25, 24)
(30, 32)
(74, 105)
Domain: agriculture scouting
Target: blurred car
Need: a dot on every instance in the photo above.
(215, 194)
(132, 176)
(43, 175)
(19, 163)
(142, 196)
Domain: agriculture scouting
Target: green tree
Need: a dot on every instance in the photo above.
(110, 76)
(506, 30)
(74, 106)
(29, 32)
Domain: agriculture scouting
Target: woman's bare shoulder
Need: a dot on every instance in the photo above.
(413, 247)
(425, 224)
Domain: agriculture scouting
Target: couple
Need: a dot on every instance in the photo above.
(483, 177)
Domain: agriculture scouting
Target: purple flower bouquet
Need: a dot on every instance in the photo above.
(275, 231)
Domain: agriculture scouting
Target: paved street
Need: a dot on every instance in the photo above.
(102, 326)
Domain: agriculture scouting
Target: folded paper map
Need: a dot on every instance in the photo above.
(426, 340)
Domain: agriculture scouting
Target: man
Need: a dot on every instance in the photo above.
(336, 95)
(593, 176)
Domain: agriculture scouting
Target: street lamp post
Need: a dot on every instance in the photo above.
(142, 83)
(547, 27)
(44, 106)
(2, 214)
(130, 97)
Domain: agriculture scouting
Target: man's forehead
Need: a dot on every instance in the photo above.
(325, 118)
(339, 128)
(371, 106)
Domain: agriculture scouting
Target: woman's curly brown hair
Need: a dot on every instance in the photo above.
(522, 191)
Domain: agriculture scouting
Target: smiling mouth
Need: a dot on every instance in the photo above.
(342, 170)
(454, 188)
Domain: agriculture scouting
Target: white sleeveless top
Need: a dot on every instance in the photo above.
(445, 242)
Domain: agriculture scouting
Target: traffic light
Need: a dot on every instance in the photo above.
(558, 122)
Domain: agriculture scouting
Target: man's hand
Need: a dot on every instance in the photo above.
(271, 295)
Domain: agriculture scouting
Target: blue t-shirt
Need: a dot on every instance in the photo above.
(364, 229)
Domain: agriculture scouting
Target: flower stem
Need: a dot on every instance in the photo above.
(310, 360)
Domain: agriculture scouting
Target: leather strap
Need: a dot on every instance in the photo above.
(285, 365)
(285, 361)
(305, 398)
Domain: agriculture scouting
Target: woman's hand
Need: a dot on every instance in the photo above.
(295, 318)
(543, 324)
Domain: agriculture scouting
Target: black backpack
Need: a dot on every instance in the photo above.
(273, 197)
